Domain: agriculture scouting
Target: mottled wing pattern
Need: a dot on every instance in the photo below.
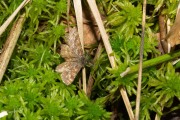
(73, 41)
(72, 53)
(68, 71)
(67, 53)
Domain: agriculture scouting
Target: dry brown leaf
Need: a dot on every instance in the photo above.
(91, 35)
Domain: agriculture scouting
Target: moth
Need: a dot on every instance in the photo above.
(74, 58)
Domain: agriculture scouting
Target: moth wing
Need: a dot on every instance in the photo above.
(73, 41)
(66, 52)
(68, 71)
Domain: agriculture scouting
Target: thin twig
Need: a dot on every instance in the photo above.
(138, 97)
(9, 20)
(102, 30)
(67, 14)
(108, 48)
(79, 19)
(162, 28)
(168, 30)
(10, 44)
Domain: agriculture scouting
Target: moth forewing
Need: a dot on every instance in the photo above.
(66, 52)
(73, 41)
(68, 71)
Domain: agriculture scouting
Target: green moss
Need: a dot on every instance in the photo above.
(31, 89)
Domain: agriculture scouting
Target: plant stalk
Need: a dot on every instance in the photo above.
(10, 44)
(79, 19)
(138, 97)
(9, 20)
(152, 62)
(93, 6)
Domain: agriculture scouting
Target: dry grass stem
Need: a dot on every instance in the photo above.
(10, 44)
(9, 20)
(138, 96)
(108, 48)
(79, 19)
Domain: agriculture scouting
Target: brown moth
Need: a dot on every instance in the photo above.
(173, 37)
(74, 58)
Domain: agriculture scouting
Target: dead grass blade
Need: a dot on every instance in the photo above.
(10, 44)
(79, 19)
(138, 96)
(109, 51)
(9, 20)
